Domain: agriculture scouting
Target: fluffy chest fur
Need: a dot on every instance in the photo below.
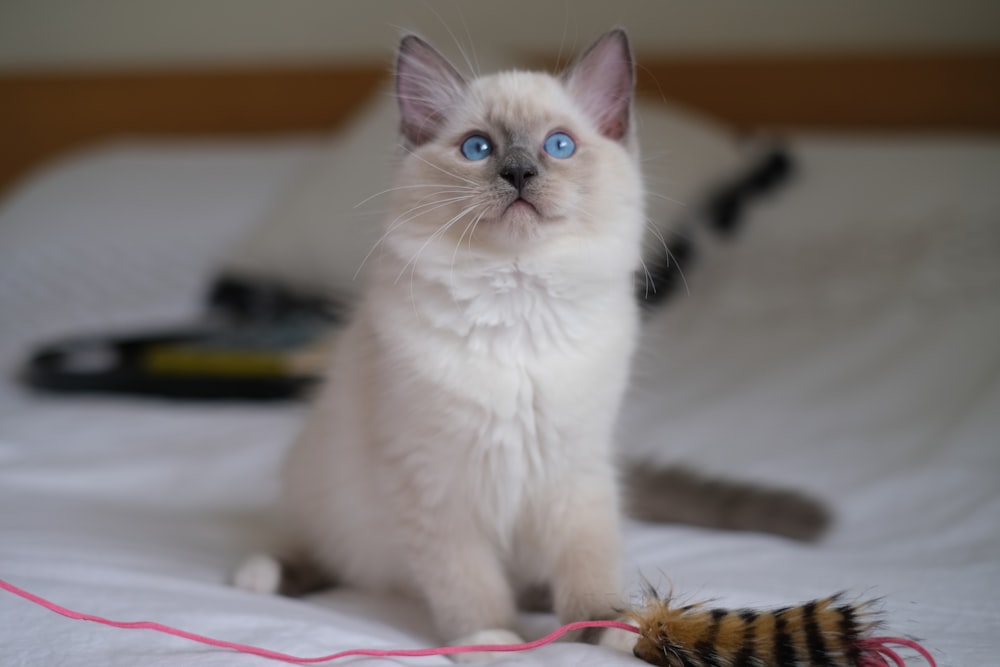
(504, 380)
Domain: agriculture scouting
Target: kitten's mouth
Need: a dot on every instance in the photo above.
(521, 206)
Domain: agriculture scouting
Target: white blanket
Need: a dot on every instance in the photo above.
(848, 342)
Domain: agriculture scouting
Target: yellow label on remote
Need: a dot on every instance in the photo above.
(190, 360)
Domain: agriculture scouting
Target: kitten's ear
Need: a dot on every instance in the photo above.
(602, 81)
(427, 86)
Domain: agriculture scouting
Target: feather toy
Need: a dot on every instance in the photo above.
(830, 632)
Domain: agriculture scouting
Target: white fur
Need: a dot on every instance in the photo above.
(461, 446)
(259, 573)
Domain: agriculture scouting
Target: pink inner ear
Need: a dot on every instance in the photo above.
(427, 86)
(602, 82)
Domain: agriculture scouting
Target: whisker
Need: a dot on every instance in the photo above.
(666, 198)
(443, 171)
(472, 223)
(465, 56)
(434, 205)
(437, 234)
(401, 220)
(457, 188)
(576, 36)
(658, 234)
(414, 98)
(659, 88)
(472, 233)
(648, 278)
(670, 255)
(472, 42)
(416, 257)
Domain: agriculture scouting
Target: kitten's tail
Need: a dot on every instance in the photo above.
(680, 495)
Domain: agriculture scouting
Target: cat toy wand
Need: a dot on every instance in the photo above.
(823, 633)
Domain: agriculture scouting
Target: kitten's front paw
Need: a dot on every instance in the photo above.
(620, 640)
(495, 636)
(260, 573)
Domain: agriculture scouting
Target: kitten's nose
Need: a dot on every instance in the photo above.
(517, 174)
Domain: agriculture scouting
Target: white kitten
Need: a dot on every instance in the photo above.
(461, 450)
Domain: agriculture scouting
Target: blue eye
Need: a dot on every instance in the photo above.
(476, 147)
(560, 145)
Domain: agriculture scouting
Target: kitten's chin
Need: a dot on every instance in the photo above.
(521, 218)
(514, 223)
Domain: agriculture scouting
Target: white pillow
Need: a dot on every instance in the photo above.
(319, 235)
(684, 155)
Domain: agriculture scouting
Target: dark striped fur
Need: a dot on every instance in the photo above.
(821, 633)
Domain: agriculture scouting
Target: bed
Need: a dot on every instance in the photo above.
(846, 341)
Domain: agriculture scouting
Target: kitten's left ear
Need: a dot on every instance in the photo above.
(602, 81)
(428, 87)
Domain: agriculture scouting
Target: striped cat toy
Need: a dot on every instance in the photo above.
(823, 633)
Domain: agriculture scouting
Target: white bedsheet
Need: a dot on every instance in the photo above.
(848, 343)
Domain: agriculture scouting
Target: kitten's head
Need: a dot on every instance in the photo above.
(506, 162)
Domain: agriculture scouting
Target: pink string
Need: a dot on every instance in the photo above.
(275, 655)
(878, 653)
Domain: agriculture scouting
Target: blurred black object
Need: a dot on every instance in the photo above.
(726, 207)
(723, 212)
(258, 341)
(241, 299)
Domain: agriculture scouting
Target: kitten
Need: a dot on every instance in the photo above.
(461, 447)
(460, 450)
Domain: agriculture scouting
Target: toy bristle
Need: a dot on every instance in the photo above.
(821, 633)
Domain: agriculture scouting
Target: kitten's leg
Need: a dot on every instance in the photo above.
(587, 569)
(466, 587)
(267, 573)
(586, 578)
(258, 573)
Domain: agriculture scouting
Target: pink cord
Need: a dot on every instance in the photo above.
(878, 653)
(274, 655)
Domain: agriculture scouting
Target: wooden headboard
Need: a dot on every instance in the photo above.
(44, 114)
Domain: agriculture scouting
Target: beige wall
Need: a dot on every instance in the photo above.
(61, 34)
